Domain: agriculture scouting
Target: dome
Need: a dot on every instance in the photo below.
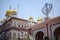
(31, 18)
(39, 19)
(14, 12)
(9, 12)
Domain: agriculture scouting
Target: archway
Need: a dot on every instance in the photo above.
(39, 36)
(57, 34)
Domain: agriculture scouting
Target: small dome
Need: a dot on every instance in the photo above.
(9, 12)
(39, 19)
(2, 21)
(31, 18)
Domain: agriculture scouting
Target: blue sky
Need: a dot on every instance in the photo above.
(29, 7)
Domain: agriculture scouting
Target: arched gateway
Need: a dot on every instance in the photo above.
(39, 36)
(57, 34)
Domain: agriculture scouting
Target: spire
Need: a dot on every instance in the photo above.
(18, 6)
(10, 7)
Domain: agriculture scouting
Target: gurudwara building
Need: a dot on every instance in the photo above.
(14, 28)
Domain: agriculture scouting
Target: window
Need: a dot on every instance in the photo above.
(25, 26)
(14, 34)
(22, 34)
(8, 25)
(19, 25)
(25, 35)
(15, 24)
(32, 22)
(18, 35)
(18, 38)
(22, 26)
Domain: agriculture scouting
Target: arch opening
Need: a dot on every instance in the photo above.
(57, 34)
(39, 36)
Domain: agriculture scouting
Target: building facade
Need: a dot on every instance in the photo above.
(14, 28)
(18, 29)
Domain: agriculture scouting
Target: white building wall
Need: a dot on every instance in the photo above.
(16, 32)
(15, 23)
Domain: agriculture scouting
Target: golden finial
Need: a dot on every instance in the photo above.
(31, 18)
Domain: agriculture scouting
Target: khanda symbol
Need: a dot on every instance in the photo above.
(46, 9)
